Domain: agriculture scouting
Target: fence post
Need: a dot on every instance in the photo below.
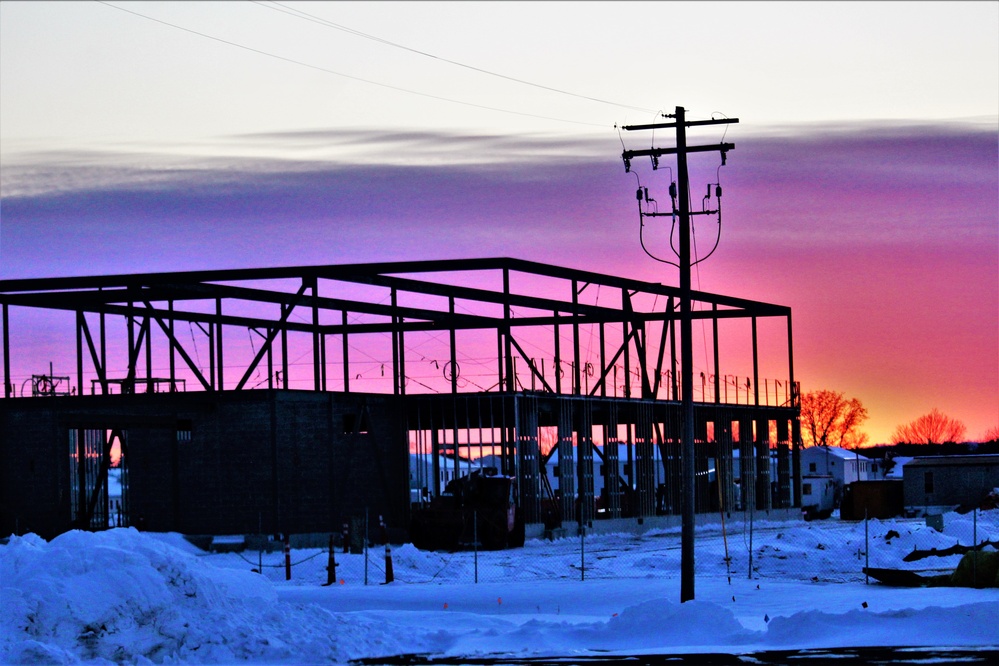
(582, 552)
(365, 545)
(331, 564)
(287, 557)
(867, 551)
(389, 572)
(475, 543)
(974, 544)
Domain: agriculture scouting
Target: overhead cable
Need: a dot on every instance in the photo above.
(348, 76)
(297, 13)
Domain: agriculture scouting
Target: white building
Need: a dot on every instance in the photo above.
(842, 465)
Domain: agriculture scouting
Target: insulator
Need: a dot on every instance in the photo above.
(638, 194)
(708, 195)
(718, 191)
(672, 190)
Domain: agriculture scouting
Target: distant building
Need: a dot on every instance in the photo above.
(898, 468)
(842, 465)
(818, 494)
(935, 484)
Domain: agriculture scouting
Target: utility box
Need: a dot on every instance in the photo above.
(935, 521)
(872, 499)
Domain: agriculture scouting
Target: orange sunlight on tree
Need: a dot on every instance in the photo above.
(933, 428)
(828, 418)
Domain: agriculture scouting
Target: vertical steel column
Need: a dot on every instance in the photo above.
(702, 497)
(796, 460)
(499, 360)
(756, 368)
(7, 384)
(270, 359)
(79, 352)
(626, 340)
(317, 374)
(284, 353)
(558, 356)
(566, 468)
(714, 333)
(81, 478)
(528, 477)
(795, 421)
(672, 358)
(511, 383)
(603, 361)
(763, 494)
(129, 385)
(577, 376)
(584, 451)
(723, 436)
(747, 463)
(435, 446)
(453, 352)
(104, 355)
(402, 357)
(645, 460)
(322, 358)
(173, 350)
(218, 341)
(673, 432)
(783, 465)
(346, 357)
(396, 383)
(211, 353)
(147, 324)
(612, 469)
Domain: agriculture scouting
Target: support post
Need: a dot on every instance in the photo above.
(687, 365)
(7, 384)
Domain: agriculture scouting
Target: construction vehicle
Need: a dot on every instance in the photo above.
(475, 511)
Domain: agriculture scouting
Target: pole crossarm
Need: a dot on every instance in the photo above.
(659, 152)
(688, 123)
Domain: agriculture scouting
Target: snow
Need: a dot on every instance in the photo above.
(125, 596)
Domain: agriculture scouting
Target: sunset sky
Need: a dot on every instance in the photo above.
(863, 191)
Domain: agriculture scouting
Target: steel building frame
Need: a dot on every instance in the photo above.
(495, 299)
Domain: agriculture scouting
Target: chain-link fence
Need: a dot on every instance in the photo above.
(776, 545)
(945, 549)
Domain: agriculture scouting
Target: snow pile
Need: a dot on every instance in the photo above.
(124, 596)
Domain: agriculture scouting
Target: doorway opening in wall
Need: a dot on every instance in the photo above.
(98, 478)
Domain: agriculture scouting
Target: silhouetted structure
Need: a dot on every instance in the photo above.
(312, 385)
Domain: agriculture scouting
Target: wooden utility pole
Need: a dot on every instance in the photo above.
(682, 210)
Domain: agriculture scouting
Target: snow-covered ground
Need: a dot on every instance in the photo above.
(128, 597)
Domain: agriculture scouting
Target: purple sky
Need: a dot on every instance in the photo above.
(884, 239)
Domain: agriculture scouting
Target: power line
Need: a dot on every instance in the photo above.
(348, 76)
(284, 9)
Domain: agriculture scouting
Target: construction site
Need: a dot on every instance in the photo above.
(277, 414)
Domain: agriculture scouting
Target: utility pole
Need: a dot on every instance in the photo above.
(687, 498)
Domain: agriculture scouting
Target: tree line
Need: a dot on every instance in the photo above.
(829, 418)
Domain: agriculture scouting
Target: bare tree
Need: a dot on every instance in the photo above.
(828, 418)
(991, 435)
(933, 428)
